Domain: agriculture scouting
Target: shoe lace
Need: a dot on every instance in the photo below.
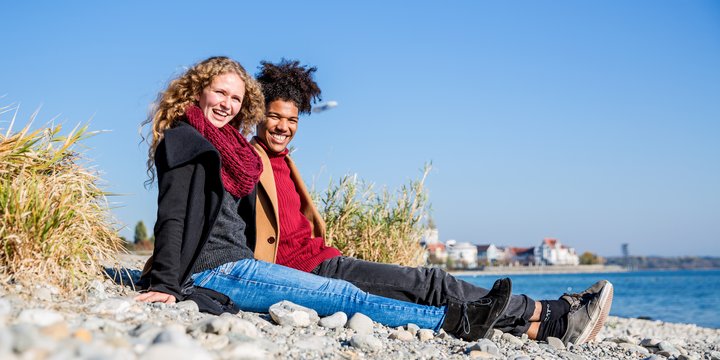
(576, 300)
(464, 320)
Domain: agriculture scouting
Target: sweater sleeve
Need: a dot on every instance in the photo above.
(173, 193)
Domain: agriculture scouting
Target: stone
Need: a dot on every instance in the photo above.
(6, 340)
(56, 331)
(668, 348)
(477, 354)
(686, 357)
(112, 306)
(245, 351)
(366, 342)
(497, 334)
(650, 342)
(39, 317)
(360, 323)
(519, 357)
(25, 336)
(512, 339)
(442, 334)
(713, 355)
(635, 348)
(484, 345)
(412, 328)
(287, 313)
(83, 335)
(555, 343)
(5, 310)
(43, 294)
(243, 328)
(173, 336)
(311, 343)
(189, 306)
(213, 341)
(425, 334)
(336, 320)
(168, 351)
(213, 325)
(401, 335)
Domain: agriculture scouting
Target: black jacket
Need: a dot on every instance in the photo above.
(190, 192)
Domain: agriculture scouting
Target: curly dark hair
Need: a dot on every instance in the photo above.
(289, 81)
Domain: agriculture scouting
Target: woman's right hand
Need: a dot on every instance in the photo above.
(155, 296)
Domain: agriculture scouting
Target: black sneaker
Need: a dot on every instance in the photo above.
(475, 320)
(588, 312)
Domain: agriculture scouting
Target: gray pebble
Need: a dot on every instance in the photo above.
(245, 351)
(168, 351)
(5, 310)
(43, 294)
(189, 306)
(6, 340)
(484, 345)
(311, 343)
(650, 342)
(360, 323)
(336, 320)
(519, 357)
(555, 343)
(287, 313)
(39, 317)
(173, 336)
(113, 306)
(425, 334)
(635, 348)
(443, 335)
(512, 339)
(366, 342)
(24, 336)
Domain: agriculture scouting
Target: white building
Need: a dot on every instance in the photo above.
(462, 255)
(552, 252)
(490, 254)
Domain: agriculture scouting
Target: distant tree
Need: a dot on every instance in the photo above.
(140, 232)
(588, 258)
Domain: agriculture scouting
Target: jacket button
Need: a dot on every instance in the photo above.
(271, 240)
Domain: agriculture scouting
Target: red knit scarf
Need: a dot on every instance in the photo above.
(241, 165)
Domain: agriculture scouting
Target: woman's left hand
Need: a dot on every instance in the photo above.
(155, 296)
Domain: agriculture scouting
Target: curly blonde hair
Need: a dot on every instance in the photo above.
(185, 90)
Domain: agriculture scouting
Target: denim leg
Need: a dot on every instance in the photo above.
(422, 285)
(256, 285)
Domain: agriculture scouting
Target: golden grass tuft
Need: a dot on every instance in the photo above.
(55, 227)
(376, 226)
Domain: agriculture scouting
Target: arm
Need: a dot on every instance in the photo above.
(173, 193)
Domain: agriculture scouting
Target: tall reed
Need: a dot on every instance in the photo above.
(54, 222)
(376, 225)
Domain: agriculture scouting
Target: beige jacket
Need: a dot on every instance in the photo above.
(266, 208)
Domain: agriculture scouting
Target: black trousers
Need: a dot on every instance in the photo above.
(422, 285)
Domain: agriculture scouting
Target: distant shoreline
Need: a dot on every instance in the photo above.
(531, 270)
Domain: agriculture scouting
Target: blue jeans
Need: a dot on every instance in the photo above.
(256, 285)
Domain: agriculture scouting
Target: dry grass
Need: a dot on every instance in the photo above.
(54, 221)
(376, 226)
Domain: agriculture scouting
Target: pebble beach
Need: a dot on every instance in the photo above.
(106, 323)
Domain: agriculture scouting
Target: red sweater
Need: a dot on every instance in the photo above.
(296, 248)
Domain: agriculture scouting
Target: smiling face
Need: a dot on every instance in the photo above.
(281, 121)
(222, 99)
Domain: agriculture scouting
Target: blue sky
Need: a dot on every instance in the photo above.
(597, 123)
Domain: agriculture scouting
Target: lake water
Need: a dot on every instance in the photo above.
(681, 296)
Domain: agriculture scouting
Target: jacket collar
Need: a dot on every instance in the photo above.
(184, 143)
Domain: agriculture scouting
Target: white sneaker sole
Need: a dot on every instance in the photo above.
(599, 316)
